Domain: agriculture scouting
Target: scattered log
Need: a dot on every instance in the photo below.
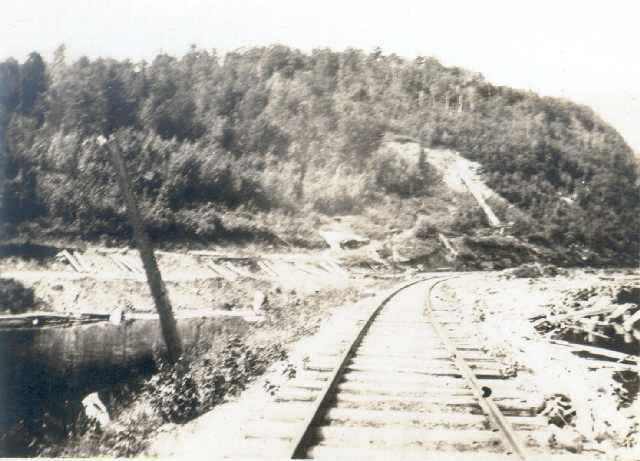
(597, 310)
(266, 267)
(615, 356)
(628, 323)
(238, 270)
(447, 244)
(82, 261)
(621, 310)
(124, 264)
(223, 272)
(119, 263)
(69, 257)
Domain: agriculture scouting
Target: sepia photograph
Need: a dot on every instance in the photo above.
(342, 230)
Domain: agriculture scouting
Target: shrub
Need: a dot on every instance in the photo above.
(467, 221)
(173, 392)
(15, 297)
(424, 228)
(338, 193)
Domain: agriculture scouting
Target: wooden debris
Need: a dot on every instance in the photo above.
(621, 310)
(468, 182)
(43, 319)
(238, 270)
(447, 244)
(617, 356)
(223, 272)
(74, 263)
(82, 261)
(266, 267)
(628, 323)
(119, 263)
(596, 310)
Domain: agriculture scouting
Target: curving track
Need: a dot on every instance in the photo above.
(408, 384)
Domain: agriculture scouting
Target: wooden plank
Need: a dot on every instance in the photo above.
(82, 260)
(628, 323)
(124, 263)
(224, 273)
(238, 270)
(575, 315)
(118, 263)
(266, 267)
(72, 261)
(491, 217)
(617, 356)
(447, 244)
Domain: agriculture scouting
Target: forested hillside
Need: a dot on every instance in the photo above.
(215, 144)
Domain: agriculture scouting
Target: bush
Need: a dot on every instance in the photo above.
(396, 175)
(173, 392)
(424, 228)
(15, 297)
(180, 392)
(468, 219)
(338, 193)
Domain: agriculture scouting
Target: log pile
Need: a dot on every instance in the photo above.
(596, 317)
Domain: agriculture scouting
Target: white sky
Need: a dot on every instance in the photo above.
(587, 51)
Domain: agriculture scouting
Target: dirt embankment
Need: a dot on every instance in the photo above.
(593, 395)
(290, 294)
(597, 419)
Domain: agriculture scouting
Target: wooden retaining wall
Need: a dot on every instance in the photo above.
(48, 357)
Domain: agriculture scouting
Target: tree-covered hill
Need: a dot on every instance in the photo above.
(275, 131)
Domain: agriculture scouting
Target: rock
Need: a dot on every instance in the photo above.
(95, 409)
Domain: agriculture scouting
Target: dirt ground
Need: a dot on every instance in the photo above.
(290, 320)
(104, 286)
(607, 410)
(303, 295)
(599, 424)
(293, 294)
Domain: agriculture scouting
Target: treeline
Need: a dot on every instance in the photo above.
(272, 129)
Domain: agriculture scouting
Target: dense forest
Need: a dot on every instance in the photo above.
(213, 142)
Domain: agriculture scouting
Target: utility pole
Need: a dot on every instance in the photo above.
(154, 278)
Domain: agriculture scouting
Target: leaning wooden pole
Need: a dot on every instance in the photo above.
(154, 278)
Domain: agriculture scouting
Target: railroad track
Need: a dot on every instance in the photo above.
(409, 382)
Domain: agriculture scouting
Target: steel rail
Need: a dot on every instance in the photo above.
(486, 403)
(301, 442)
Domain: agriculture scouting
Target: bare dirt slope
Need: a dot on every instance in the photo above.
(459, 174)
